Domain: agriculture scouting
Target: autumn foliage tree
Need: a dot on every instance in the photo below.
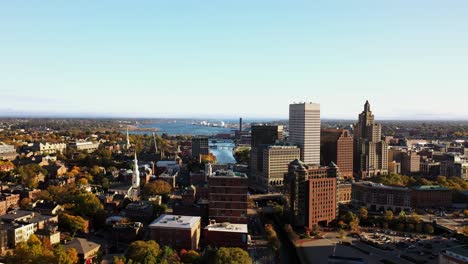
(232, 255)
(157, 187)
(34, 251)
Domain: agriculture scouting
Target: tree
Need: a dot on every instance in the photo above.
(190, 256)
(363, 213)
(419, 227)
(232, 255)
(342, 233)
(86, 204)
(72, 223)
(242, 156)
(157, 187)
(428, 228)
(26, 203)
(388, 216)
(143, 251)
(29, 175)
(272, 237)
(62, 256)
(354, 224)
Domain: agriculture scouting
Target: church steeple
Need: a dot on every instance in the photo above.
(128, 140)
(136, 174)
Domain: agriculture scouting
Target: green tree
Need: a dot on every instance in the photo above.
(157, 187)
(233, 256)
(29, 175)
(143, 251)
(388, 216)
(86, 204)
(72, 223)
(363, 213)
(242, 156)
(429, 229)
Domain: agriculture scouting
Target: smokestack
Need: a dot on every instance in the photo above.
(240, 125)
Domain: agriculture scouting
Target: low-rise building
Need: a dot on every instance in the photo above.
(176, 231)
(344, 193)
(228, 196)
(48, 148)
(51, 236)
(87, 250)
(226, 235)
(379, 197)
(88, 146)
(431, 196)
(457, 255)
(7, 152)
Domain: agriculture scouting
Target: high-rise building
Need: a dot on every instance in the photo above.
(262, 136)
(273, 165)
(370, 151)
(304, 130)
(200, 146)
(337, 147)
(228, 197)
(313, 193)
(410, 163)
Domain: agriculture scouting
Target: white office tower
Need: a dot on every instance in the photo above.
(304, 130)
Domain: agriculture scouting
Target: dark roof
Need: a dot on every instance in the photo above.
(82, 245)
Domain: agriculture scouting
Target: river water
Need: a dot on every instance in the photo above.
(222, 149)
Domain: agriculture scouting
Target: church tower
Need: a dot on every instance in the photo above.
(136, 174)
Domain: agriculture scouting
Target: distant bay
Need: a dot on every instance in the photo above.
(184, 128)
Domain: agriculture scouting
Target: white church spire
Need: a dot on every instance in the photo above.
(136, 174)
(128, 141)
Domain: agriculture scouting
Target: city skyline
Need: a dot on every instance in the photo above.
(224, 60)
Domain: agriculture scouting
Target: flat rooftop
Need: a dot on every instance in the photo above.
(175, 221)
(228, 173)
(381, 186)
(431, 188)
(227, 227)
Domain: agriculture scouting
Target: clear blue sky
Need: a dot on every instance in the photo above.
(234, 58)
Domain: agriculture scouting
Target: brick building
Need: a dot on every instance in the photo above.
(228, 197)
(313, 193)
(226, 235)
(431, 196)
(336, 146)
(379, 197)
(176, 231)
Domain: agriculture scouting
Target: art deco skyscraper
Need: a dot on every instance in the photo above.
(371, 152)
(304, 130)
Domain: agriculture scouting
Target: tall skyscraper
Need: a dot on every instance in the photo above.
(304, 130)
(263, 136)
(371, 152)
(337, 147)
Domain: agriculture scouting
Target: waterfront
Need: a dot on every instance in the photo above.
(185, 128)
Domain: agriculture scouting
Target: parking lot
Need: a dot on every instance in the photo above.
(418, 247)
